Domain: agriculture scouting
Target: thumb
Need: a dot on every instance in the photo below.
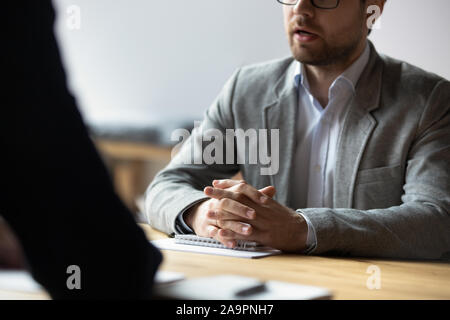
(268, 191)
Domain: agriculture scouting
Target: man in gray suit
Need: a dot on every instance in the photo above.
(363, 143)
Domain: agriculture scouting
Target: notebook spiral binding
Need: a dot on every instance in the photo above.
(209, 242)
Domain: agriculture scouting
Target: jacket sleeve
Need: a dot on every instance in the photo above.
(419, 228)
(180, 185)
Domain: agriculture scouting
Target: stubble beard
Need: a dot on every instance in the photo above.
(328, 54)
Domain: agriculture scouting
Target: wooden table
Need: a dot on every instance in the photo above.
(346, 277)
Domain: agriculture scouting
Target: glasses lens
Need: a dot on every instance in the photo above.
(288, 2)
(325, 4)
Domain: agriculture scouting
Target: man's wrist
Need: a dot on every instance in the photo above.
(185, 216)
(190, 214)
(311, 238)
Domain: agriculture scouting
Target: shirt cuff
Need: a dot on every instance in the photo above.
(181, 226)
(311, 239)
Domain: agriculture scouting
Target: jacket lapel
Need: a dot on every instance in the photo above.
(359, 125)
(281, 114)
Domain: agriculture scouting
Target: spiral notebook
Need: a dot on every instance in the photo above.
(209, 242)
(196, 244)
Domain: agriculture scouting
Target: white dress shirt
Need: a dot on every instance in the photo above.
(317, 135)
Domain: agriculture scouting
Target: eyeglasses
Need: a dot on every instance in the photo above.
(321, 4)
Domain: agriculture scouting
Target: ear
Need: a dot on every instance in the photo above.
(379, 3)
(374, 9)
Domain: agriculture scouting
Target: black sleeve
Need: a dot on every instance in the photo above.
(54, 190)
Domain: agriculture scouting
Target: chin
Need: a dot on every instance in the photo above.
(304, 57)
(311, 61)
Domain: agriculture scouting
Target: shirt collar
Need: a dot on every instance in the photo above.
(351, 75)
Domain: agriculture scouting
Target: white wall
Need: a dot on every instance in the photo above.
(146, 61)
(418, 32)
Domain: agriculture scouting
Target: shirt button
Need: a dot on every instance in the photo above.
(318, 168)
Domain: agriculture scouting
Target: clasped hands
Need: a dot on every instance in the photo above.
(238, 211)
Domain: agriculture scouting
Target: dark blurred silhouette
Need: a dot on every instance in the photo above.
(55, 192)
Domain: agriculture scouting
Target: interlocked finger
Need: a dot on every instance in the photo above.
(236, 208)
(212, 231)
(235, 226)
(224, 215)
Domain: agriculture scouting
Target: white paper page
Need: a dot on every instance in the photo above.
(207, 288)
(164, 277)
(169, 244)
(22, 281)
(18, 281)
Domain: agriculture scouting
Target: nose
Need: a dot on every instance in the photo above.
(304, 7)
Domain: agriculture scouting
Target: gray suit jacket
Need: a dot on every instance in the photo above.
(392, 179)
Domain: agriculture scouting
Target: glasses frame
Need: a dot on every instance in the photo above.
(312, 2)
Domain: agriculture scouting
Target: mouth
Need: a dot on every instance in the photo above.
(304, 35)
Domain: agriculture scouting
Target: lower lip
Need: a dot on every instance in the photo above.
(302, 37)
